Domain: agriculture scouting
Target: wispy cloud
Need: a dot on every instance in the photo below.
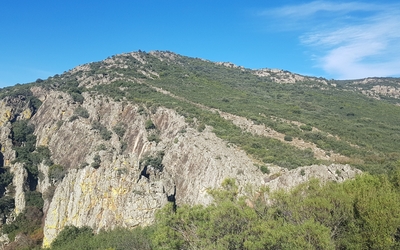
(348, 40)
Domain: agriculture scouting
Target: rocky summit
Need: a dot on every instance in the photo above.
(108, 144)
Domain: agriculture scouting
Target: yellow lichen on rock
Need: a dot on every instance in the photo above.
(6, 116)
(46, 243)
(27, 113)
(119, 191)
(44, 141)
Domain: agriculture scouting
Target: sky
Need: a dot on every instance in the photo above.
(330, 39)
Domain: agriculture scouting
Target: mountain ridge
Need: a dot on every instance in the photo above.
(158, 127)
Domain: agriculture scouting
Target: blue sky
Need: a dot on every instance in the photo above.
(332, 39)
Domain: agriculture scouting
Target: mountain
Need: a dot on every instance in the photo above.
(107, 144)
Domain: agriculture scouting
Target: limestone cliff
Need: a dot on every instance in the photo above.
(118, 193)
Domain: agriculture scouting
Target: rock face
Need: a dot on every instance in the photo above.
(289, 179)
(122, 162)
(102, 199)
(121, 191)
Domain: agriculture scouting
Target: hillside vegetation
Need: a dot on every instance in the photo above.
(276, 117)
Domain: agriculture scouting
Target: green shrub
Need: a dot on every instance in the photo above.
(73, 118)
(201, 127)
(101, 147)
(153, 160)
(264, 169)
(96, 162)
(7, 204)
(6, 178)
(82, 112)
(104, 132)
(77, 97)
(149, 125)
(118, 239)
(124, 146)
(154, 137)
(70, 233)
(27, 222)
(20, 131)
(306, 127)
(120, 129)
(288, 138)
(34, 199)
(56, 172)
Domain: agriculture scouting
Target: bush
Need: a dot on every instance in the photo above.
(20, 131)
(73, 118)
(149, 125)
(264, 169)
(6, 178)
(118, 239)
(124, 146)
(104, 132)
(56, 173)
(34, 199)
(96, 162)
(77, 97)
(82, 112)
(70, 233)
(26, 222)
(154, 137)
(7, 204)
(288, 138)
(201, 127)
(154, 161)
(120, 129)
(101, 147)
(306, 127)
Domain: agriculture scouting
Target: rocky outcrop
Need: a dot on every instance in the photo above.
(105, 198)
(286, 180)
(19, 180)
(121, 177)
(283, 76)
(121, 191)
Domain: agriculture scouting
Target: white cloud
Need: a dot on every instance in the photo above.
(357, 40)
(308, 9)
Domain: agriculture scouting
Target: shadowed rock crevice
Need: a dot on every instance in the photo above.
(32, 181)
(172, 198)
(144, 173)
(1, 159)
